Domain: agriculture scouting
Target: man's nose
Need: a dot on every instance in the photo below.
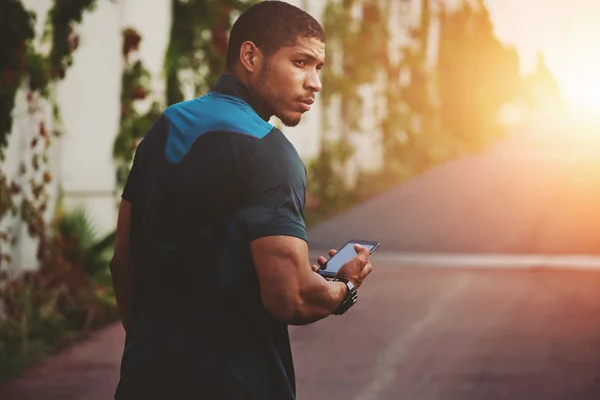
(313, 83)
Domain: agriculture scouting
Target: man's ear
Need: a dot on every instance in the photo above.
(250, 56)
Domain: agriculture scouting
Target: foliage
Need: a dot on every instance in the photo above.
(198, 43)
(40, 309)
(23, 61)
(427, 115)
(78, 239)
(409, 117)
(16, 30)
(540, 86)
(135, 87)
(326, 185)
(361, 48)
(61, 301)
(351, 41)
(476, 74)
(19, 60)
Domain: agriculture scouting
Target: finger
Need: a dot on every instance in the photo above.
(366, 270)
(332, 252)
(362, 252)
(321, 260)
(315, 268)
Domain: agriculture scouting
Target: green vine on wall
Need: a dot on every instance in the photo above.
(16, 31)
(198, 43)
(135, 87)
(21, 63)
(475, 64)
(356, 50)
(359, 55)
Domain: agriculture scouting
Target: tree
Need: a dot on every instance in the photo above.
(540, 87)
(476, 73)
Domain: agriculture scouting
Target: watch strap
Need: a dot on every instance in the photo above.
(349, 300)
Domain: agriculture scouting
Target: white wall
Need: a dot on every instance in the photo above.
(89, 103)
(88, 99)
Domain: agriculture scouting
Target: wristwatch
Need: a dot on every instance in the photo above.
(350, 298)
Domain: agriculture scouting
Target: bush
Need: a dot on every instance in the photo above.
(67, 297)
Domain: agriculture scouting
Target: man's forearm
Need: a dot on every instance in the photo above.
(318, 299)
(121, 277)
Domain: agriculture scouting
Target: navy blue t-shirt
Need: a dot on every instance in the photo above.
(210, 176)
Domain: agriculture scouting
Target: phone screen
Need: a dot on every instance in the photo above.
(345, 254)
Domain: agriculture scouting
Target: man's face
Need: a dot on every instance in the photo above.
(288, 80)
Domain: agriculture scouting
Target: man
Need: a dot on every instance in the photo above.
(211, 259)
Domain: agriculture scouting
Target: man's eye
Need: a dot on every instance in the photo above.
(300, 63)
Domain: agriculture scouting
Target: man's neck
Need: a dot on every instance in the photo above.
(248, 95)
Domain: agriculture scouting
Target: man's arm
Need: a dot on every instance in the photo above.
(290, 290)
(274, 192)
(120, 264)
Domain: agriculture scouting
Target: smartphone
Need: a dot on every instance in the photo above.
(346, 253)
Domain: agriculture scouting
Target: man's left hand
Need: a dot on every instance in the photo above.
(322, 260)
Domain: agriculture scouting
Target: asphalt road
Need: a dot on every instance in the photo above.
(454, 334)
(438, 332)
(534, 193)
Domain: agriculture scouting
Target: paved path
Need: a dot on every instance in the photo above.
(530, 194)
(89, 370)
(458, 334)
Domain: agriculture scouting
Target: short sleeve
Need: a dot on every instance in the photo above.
(275, 187)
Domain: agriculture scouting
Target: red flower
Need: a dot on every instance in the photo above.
(131, 41)
(43, 130)
(139, 93)
(15, 188)
(47, 177)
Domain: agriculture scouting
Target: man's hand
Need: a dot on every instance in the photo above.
(322, 260)
(356, 269)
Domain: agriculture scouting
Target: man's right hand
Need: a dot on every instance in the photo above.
(356, 269)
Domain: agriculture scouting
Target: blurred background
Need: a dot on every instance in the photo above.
(462, 134)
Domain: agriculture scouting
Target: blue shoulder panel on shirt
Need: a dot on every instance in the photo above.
(212, 112)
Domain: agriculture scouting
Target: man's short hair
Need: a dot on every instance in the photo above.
(271, 25)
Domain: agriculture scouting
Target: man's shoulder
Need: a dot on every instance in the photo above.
(279, 146)
(277, 154)
(213, 112)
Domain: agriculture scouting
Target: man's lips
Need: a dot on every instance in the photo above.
(306, 103)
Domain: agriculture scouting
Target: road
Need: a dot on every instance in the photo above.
(534, 193)
(466, 334)
(429, 331)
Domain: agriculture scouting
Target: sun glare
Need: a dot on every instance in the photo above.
(582, 92)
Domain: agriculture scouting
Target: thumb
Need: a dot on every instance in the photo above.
(361, 250)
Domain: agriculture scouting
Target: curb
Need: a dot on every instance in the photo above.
(482, 260)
